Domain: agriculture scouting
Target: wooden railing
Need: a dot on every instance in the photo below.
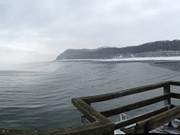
(100, 124)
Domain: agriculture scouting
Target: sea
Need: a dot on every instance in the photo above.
(38, 95)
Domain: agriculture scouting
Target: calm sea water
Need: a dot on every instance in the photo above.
(38, 96)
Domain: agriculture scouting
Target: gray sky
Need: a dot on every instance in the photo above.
(35, 30)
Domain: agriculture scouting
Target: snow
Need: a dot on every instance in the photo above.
(173, 58)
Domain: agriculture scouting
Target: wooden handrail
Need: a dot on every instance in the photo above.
(101, 125)
(103, 97)
(134, 105)
(157, 120)
(91, 114)
(175, 83)
(140, 118)
(175, 95)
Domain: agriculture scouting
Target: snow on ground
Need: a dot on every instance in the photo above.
(173, 58)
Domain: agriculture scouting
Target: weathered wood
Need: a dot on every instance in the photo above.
(157, 120)
(4, 131)
(90, 113)
(176, 83)
(100, 125)
(105, 127)
(96, 128)
(122, 93)
(166, 92)
(175, 95)
(92, 129)
(83, 105)
(133, 106)
(129, 130)
(140, 118)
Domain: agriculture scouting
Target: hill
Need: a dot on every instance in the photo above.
(151, 49)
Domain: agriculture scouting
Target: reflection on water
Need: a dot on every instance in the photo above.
(39, 95)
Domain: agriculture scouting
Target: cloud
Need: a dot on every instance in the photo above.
(49, 27)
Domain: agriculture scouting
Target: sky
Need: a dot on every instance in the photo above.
(39, 30)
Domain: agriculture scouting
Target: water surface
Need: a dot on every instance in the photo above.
(38, 96)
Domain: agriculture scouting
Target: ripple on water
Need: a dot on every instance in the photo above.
(41, 98)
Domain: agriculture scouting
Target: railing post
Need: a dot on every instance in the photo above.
(167, 90)
(110, 132)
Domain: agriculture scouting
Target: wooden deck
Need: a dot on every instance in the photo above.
(168, 129)
(161, 120)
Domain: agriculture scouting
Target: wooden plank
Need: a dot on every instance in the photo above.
(129, 130)
(105, 127)
(92, 129)
(140, 118)
(4, 131)
(175, 95)
(134, 105)
(90, 113)
(167, 90)
(176, 83)
(103, 97)
(157, 120)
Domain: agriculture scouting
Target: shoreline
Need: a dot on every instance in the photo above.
(126, 60)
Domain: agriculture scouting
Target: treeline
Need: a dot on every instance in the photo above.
(112, 52)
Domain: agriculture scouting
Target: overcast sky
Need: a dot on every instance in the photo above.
(35, 30)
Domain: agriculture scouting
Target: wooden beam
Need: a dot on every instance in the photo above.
(105, 125)
(90, 113)
(155, 121)
(176, 83)
(140, 118)
(129, 130)
(103, 97)
(134, 105)
(167, 90)
(92, 129)
(4, 131)
(175, 95)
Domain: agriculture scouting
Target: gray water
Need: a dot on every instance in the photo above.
(38, 96)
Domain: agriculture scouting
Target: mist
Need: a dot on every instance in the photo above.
(39, 30)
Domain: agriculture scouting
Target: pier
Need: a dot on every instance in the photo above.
(99, 122)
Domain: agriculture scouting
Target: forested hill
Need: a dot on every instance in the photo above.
(155, 49)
